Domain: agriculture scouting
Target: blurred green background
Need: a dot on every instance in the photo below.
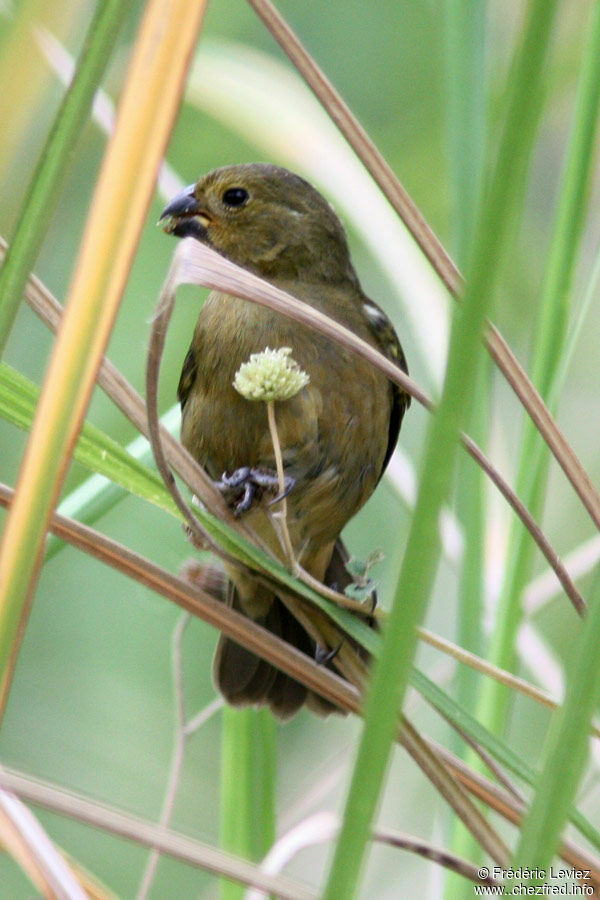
(92, 703)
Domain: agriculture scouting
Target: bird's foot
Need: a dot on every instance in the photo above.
(247, 484)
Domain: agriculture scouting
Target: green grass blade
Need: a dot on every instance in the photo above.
(497, 748)
(265, 783)
(97, 495)
(392, 669)
(552, 330)
(575, 330)
(466, 34)
(236, 791)
(568, 747)
(95, 449)
(45, 185)
(466, 120)
(247, 787)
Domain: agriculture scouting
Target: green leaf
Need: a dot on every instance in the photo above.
(568, 747)
(95, 449)
(550, 332)
(497, 748)
(42, 195)
(360, 568)
(391, 671)
(248, 805)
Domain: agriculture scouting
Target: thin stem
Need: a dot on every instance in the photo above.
(174, 844)
(567, 749)
(435, 854)
(509, 808)
(183, 731)
(486, 758)
(155, 352)
(323, 827)
(280, 516)
(337, 598)
(177, 758)
(360, 142)
(501, 675)
(203, 716)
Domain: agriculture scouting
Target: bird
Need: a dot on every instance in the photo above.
(337, 434)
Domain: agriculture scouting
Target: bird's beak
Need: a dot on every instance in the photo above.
(184, 217)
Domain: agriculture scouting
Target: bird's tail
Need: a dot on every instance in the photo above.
(245, 679)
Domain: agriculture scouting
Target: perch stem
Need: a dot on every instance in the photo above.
(280, 516)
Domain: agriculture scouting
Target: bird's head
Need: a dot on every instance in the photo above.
(266, 219)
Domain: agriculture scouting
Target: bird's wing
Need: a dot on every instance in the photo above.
(389, 344)
(187, 378)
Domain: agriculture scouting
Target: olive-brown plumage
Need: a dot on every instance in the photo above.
(336, 435)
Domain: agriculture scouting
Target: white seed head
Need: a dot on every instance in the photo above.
(270, 375)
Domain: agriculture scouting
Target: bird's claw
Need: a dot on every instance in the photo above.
(323, 655)
(288, 484)
(251, 482)
(236, 479)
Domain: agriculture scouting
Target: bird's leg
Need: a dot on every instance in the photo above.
(267, 478)
(250, 483)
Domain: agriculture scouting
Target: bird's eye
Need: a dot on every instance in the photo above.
(235, 196)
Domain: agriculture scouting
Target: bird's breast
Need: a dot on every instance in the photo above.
(332, 433)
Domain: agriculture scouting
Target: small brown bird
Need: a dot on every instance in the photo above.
(336, 434)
